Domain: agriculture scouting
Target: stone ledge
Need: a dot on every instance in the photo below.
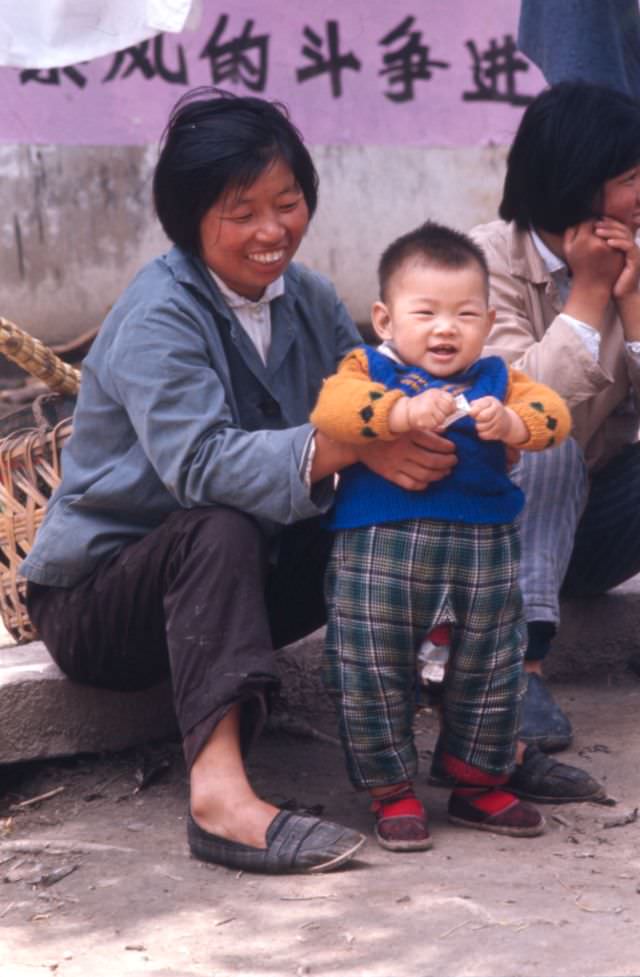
(43, 714)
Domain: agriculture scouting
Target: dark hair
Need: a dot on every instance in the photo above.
(214, 142)
(432, 244)
(571, 139)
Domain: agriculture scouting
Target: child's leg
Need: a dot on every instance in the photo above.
(370, 652)
(484, 682)
(370, 670)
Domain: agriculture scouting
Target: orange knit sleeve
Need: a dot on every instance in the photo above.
(351, 407)
(544, 412)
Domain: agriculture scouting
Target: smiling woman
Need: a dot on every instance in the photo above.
(186, 536)
(250, 236)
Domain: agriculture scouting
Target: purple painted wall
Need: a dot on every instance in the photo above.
(429, 73)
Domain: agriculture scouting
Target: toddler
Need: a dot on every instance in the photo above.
(404, 561)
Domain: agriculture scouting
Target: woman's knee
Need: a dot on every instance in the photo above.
(555, 484)
(563, 465)
(220, 534)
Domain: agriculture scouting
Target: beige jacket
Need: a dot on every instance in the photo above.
(530, 335)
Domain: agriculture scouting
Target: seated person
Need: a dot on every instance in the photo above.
(403, 561)
(185, 537)
(564, 273)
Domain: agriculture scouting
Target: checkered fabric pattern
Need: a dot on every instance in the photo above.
(387, 586)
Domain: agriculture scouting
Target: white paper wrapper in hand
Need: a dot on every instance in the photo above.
(56, 33)
(462, 409)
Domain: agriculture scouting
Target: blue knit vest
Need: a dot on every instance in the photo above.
(477, 491)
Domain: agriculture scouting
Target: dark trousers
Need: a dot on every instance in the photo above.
(606, 550)
(198, 599)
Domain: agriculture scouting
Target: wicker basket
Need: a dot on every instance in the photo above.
(31, 441)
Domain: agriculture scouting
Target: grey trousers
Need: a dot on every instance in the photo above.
(580, 534)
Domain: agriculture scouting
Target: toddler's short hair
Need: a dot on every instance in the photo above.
(430, 244)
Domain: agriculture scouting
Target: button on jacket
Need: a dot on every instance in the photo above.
(176, 409)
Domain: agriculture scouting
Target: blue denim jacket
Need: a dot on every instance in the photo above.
(176, 409)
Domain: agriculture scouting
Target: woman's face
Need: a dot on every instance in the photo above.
(249, 237)
(621, 198)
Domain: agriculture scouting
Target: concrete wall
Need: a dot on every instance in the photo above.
(76, 222)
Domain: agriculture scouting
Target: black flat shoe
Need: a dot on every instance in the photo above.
(537, 778)
(540, 778)
(295, 843)
(520, 820)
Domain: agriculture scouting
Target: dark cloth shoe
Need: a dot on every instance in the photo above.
(539, 778)
(519, 819)
(295, 843)
(401, 822)
(543, 722)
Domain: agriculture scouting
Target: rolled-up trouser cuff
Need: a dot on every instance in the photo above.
(254, 712)
(539, 637)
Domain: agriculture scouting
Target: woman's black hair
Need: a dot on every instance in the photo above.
(571, 139)
(214, 142)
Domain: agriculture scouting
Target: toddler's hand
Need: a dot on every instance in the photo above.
(495, 422)
(426, 412)
(429, 410)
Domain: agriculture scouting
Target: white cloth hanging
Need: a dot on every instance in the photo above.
(56, 33)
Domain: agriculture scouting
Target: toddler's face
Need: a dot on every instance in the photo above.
(436, 318)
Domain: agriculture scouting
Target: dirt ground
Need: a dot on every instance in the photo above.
(96, 878)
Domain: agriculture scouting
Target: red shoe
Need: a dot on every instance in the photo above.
(479, 802)
(401, 822)
(509, 817)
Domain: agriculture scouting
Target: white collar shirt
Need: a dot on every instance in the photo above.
(254, 317)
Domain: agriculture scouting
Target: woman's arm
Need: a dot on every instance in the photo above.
(526, 333)
(412, 461)
(162, 369)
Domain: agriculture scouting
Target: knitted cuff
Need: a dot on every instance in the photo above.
(540, 424)
(375, 415)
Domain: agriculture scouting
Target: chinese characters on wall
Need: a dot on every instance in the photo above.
(407, 59)
(362, 73)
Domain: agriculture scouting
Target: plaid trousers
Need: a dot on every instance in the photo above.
(387, 586)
